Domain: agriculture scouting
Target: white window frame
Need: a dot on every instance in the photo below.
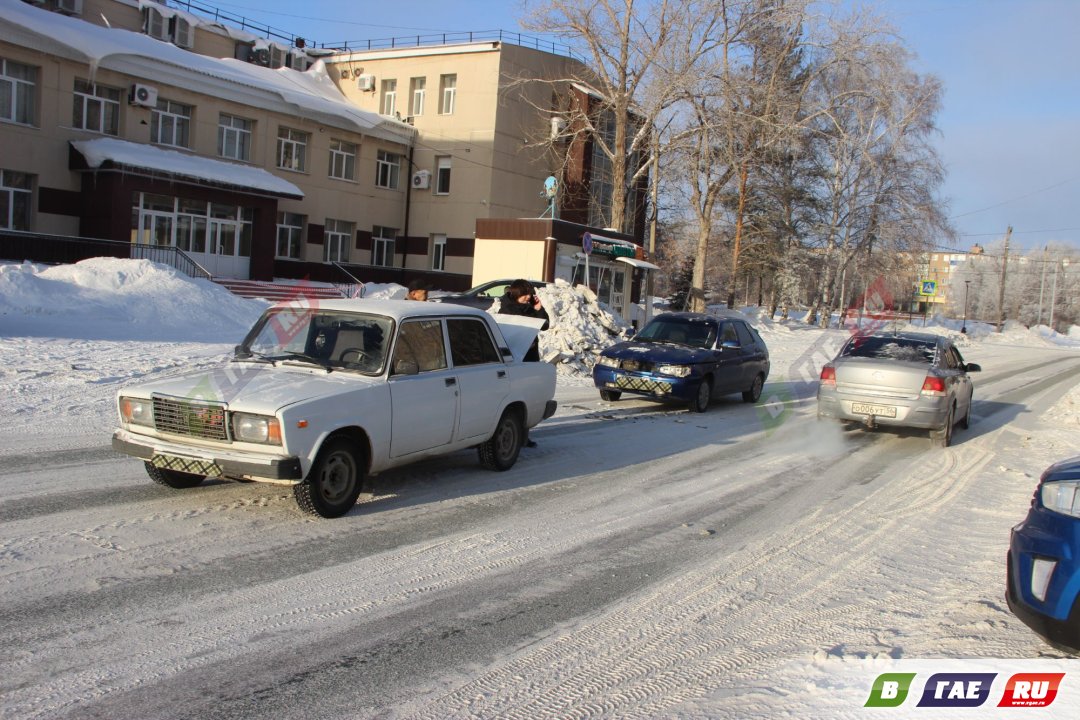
(442, 175)
(337, 237)
(235, 132)
(382, 247)
(170, 124)
(416, 96)
(387, 170)
(105, 101)
(290, 231)
(438, 252)
(447, 93)
(389, 97)
(292, 149)
(342, 159)
(14, 88)
(11, 191)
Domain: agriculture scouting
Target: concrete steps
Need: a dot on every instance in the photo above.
(278, 292)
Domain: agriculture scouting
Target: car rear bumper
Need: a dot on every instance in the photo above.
(927, 413)
(1053, 540)
(207, 461)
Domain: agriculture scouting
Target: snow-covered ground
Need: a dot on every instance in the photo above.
(640, 562)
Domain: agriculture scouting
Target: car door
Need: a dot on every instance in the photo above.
(729, 370)
(423, 389)
(483, 378)
(753, 354)
(962, 387)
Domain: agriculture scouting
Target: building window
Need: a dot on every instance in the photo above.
(382, 246)
(447, 92)
(170, 124)
(416, 95)
(96, 108)
(442, 175)
(194, 226)
(18, 88)
(342, 160)
(292, 149)
(336, 241)
(290, 229)
(234, 137)
(16, 191)
(387, 169)
(389, 97)
(438, 252)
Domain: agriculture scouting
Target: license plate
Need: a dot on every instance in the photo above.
(878, 410)
(194, 466)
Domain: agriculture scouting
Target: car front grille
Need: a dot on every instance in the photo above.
(645, 385)
(201, 420)
(635, 365)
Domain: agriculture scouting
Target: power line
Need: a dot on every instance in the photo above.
(1020, 197)
(1019, 232)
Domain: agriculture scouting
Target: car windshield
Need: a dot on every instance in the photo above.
(695, 333)
(334, 340)
(890, 348)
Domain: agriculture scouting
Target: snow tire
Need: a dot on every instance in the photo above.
(335, 480)
(501, 451)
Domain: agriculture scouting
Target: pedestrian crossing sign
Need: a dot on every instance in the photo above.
(928, 287)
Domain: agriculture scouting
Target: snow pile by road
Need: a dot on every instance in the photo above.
(119, 299)
(580, 327)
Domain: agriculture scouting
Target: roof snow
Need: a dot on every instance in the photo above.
(310, 94)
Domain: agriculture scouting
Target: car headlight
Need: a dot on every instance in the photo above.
(608, 361)
(256, 429)
(673, 370)
(137, 411)
(1062, 497)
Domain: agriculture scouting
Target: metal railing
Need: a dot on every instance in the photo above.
(221, 16)
(355, 289)
(60, 249)
(454, 38)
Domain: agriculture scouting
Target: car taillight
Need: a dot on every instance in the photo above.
(933, 386)
(828, 375)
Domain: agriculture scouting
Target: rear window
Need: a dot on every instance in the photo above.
(890, 348)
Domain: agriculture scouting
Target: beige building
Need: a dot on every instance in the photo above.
(132, 122)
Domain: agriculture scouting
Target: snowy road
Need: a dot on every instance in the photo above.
(640, 562)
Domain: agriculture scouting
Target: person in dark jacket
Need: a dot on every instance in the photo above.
(521, 299)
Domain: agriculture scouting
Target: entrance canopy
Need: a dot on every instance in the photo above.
(101, 153)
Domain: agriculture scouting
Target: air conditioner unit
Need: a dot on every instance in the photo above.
(70, 7)
(366, 82)
(421, 179)
(143, 95)
(182, 33)
(260, 56)
(558, 125)
(411, 119)
(156, 25)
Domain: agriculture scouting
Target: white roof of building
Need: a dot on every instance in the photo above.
(150, 157)
(311, 94)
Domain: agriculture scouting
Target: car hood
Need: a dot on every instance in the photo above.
(255, 387)
(1064, 470)
(659, 352)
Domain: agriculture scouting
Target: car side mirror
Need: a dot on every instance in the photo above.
(972, 367)
(506, 352)
(406, 367)
(240, 352)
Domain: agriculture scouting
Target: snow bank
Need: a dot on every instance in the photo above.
(580, 327)
(119, 299)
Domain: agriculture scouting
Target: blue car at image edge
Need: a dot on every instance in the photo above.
(1044, 558)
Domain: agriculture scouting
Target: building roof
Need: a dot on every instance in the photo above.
(125, 154)
(311, 94)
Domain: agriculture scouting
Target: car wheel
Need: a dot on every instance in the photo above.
(754, 393)
(965, 422)
(610, 395)
(501, 451)
(173, 478)
(943, 437)
(700, 403)
(336, 478)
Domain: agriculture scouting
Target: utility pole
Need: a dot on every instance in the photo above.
(1053, 293)
(1042, 286)
(649, 280)
(1001, 292)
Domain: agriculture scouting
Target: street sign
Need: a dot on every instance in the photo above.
(928, 287)
(586, 243)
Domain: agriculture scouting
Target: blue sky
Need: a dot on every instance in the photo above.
(1011, 68)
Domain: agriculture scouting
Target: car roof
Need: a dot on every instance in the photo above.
(693, 317)
(395, 309)
(902, 335)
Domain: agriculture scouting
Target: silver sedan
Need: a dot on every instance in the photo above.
(905, 379)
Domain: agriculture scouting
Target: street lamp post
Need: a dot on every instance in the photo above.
(967, 284)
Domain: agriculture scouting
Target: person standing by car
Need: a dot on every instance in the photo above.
(521, 299)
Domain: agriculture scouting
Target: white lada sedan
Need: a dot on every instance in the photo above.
(320, 396)
(905, 379)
